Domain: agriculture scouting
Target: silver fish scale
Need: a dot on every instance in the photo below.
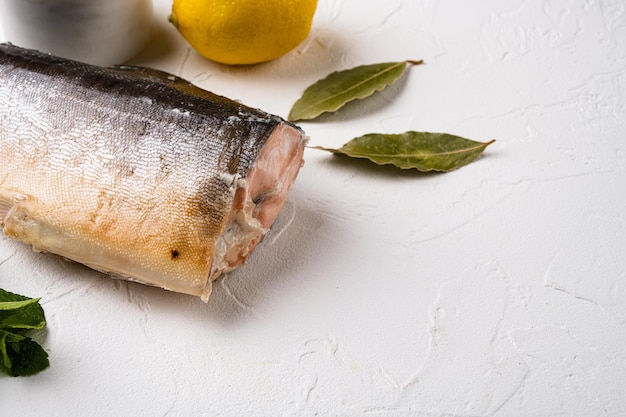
(113, 152)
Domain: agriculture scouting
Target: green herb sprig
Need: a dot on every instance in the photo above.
(19, 354)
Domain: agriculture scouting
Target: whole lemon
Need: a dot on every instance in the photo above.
(243, 31)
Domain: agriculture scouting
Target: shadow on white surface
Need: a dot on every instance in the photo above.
(162, 43)
(321, 52)
(277, 262)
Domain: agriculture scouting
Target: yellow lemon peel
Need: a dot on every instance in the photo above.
(239, 32)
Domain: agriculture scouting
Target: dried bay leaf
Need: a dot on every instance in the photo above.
(341, 87)
(423, 151)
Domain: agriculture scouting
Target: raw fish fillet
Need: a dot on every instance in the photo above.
(136, 172)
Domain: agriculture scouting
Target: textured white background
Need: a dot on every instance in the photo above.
(495, 290)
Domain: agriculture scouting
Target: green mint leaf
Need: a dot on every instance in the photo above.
(423, 151)
(21, 356)
(14, 305)
(7, 339)
(20, 312)
(341, 87)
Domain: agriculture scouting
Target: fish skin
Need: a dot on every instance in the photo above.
(128, 170)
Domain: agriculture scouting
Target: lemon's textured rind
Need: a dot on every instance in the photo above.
(243, 31)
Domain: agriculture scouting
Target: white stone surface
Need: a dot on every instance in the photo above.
(495, 290)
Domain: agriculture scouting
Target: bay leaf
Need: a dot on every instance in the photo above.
(341, 87)
(424, 151)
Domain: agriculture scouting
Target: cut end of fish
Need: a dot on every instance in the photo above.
(258, 199)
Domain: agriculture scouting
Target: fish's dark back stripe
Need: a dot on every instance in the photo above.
(164, 91)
